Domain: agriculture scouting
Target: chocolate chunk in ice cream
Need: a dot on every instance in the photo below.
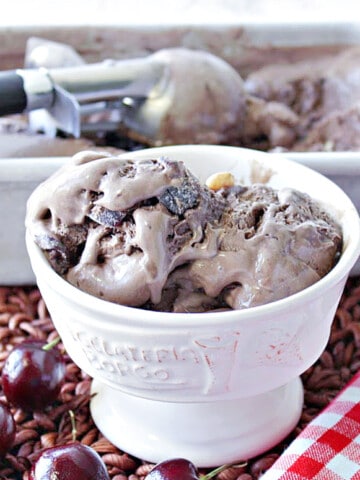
(147, 233)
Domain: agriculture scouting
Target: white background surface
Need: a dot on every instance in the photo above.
(120, 12)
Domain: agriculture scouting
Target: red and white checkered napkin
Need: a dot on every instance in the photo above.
(329, 447)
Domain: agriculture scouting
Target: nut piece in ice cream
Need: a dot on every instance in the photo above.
(220, 180)
(147, 233)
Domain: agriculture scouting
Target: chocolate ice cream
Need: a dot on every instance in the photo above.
(323, 94)
(148, 233)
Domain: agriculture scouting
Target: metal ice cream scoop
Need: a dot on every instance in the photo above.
(67, 92)
(172, 96)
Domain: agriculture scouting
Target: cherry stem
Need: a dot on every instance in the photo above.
(218, 470)
(73, 425)
(51, 344)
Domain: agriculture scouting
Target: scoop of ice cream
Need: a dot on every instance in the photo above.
(201, 99)
(147, 233)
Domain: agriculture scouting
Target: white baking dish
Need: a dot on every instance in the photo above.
(18, 178)
(245, 46)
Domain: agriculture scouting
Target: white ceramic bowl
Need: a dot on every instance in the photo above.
(214, 387)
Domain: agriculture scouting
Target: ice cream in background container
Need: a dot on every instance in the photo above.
(214, 386)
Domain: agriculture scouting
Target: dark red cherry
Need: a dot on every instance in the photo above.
(180, 469)
(32, 375)
(174, 469)
(74, 461)
(7, 429)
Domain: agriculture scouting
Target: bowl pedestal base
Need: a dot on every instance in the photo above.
(208, 433)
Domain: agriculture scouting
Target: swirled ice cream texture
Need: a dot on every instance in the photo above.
(149, 234)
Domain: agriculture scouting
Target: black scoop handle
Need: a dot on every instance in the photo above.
(12, 94)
